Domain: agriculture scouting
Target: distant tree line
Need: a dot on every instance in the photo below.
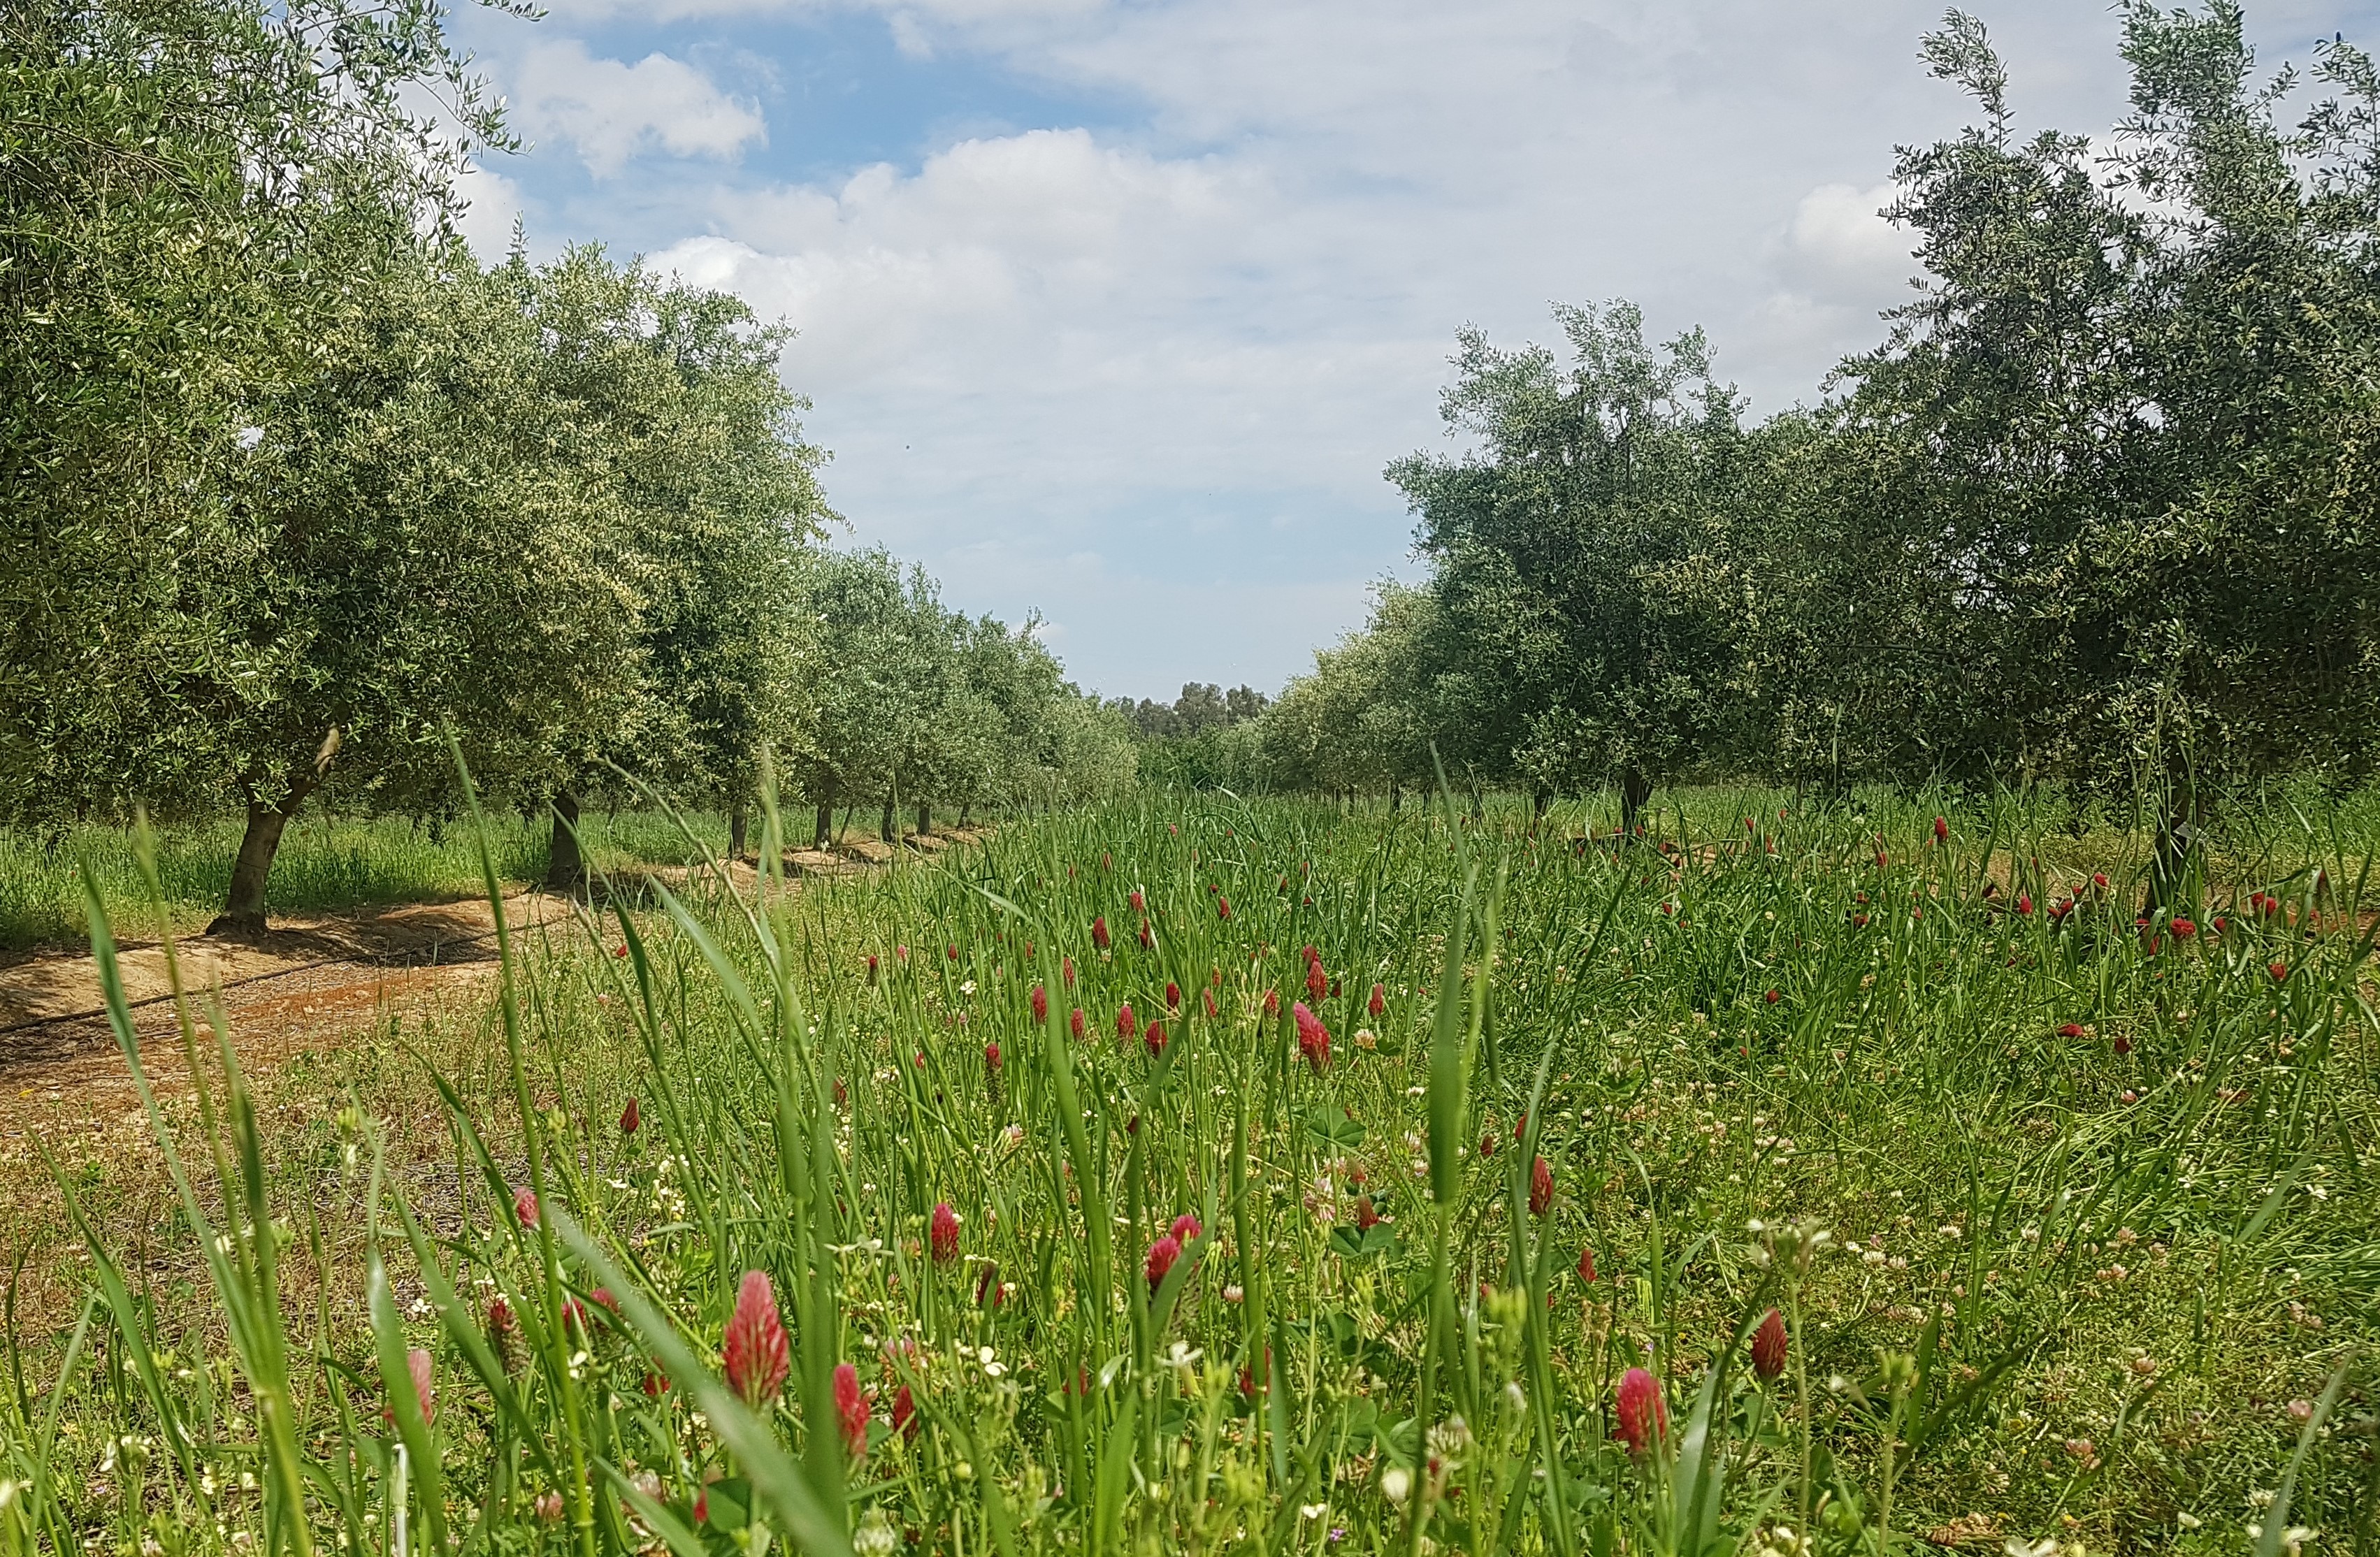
(2102, 508)
(292, 484)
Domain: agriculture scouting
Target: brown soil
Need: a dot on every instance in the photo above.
(305, 984)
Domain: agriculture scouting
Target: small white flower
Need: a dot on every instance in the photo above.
(1396, 1483)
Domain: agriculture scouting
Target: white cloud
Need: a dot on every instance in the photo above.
(988, 256)
(611, 111)
(1146, 376)
(492, 204)
(1838, 246)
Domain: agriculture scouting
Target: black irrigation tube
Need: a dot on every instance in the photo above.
(98, 1012)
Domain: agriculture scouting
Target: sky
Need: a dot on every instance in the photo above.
(1115, 310)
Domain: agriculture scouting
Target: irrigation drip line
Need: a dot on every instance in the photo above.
(98, 1012)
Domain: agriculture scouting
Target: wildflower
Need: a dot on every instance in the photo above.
(1768, 1346)
(850, 1408)
(1185, 1229)
(2070, 1030)
(419, 1367)
(1487, 1144)
(1223, 907)
(1368, 1216)
(2183, 929)
(2023, 903)
(871, 967)
(2279, 971)
(987, 1285)
(754, 1355)
(1772, 997)
(2099, 880)
(1161, 1255)
(1378, 1003)
(2122, 1045)
(901, 953)
(1100, 932)
(1139, 904)
(1074, 1023)
(1272, 1003)
(621, 952)
(1067, 966)
(501, 1327)
(575, 1321)
(1172, 996)
(655, 1384)
(952, 952)
(1313, 1038)
(1127, 1025)
(1153, 1039)
(1941, 830)
(1640, 1414)
(628, 1118)
(548, 1508)
(1317, 982)
(1396, 1484)
(992, 1058)
(1207, 998)
(1148, 937)
(1041, 1004)
(525, 1207)
(1541, 1187)
(942, 1234)
(905, 1413)
(1586, 1265)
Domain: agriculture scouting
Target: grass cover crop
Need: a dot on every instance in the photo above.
(1192, 1176)
(327, 863)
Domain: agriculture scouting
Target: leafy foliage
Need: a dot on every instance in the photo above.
(2095, 511)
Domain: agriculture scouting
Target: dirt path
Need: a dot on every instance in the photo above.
(306, 986)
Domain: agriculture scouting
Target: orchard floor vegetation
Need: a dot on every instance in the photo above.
(1187, 1175)
(327, 863)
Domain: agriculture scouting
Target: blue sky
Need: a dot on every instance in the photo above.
(1117, 309)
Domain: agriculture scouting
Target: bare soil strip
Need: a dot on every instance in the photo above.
(304, 985)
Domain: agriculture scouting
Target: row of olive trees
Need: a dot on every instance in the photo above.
(294, 491)
(2098, 510)
(919, 705)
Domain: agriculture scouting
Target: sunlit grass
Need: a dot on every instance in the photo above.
(327, 863)
(2066, 1218)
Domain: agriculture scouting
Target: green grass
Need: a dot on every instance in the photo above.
(2070, 1222)
(327, 863)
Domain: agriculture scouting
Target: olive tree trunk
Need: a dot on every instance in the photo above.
(1635, 789)
(565, 866)
(925, 819)
(243, 912)
(736, 823)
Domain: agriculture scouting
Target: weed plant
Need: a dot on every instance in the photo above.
(329, 863)
(1783, 1181)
